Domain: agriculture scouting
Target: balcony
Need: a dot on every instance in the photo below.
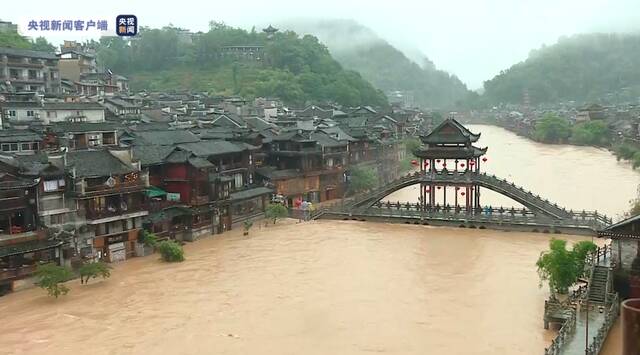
(92, 214)
(103, 189)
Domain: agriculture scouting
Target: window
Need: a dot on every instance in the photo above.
(51, 185)
(34, 146)
(30, 113)
(14, 147)
(6, 147)
(52, 114)
(12, 113)
(238, 179)
(25, 146)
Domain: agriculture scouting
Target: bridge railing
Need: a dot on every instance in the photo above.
(485, 214)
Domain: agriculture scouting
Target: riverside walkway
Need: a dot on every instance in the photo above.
(591, 311)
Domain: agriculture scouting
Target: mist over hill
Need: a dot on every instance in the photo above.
(585, 67)
(359, 48)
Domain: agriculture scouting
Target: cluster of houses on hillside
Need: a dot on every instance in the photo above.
(623, 120)
(84, 168)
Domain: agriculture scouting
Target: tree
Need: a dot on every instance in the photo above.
(41, 44)
(51, 277)
(92, 270)
(552, 129)
(171, 251)
(562, 267)
(275, 211)
(362, 179)
(590, 133)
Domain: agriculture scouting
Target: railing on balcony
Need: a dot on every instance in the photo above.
(103, 188)
(16, 273)
(115, 211)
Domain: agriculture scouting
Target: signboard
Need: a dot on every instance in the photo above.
(173, 196)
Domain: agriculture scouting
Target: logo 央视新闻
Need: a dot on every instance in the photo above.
(126, 25)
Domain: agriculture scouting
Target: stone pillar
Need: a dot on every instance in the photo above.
(631, 326)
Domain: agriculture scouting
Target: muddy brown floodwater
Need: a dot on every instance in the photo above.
(331, 287)
(319, 288)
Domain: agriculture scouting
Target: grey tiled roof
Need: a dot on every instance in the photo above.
(165, 137)
(27, 53)
(96, 163)
(151, 154)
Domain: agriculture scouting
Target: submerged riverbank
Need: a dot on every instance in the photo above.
(315, 288)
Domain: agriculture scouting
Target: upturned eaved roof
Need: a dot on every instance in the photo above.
(450, 131)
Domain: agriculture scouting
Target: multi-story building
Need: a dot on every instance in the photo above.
(307, 165)
(23, 242)
(108, 186)
(27, 70)
(74, 63)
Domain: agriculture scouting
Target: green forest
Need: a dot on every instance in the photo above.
(296, 69)
(583, 68)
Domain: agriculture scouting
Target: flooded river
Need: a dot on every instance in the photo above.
(328, 287)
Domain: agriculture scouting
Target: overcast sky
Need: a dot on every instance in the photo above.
(473, 39)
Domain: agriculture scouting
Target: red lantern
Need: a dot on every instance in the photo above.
(427, 190)
(439, 187)
(457, 188)
(414, 162)
(472, 163)
(462, 193)
(437, 160)
(462, 165)
(484, 159)
(444, 165)
(426, 163)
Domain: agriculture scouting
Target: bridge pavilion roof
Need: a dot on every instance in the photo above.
(450, 131)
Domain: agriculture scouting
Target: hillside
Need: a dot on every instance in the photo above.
(296, 69)
(587, 67)
(387, 68)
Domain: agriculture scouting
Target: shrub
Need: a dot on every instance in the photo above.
(274, 211)
(93, 270)
(148, 238)
(51, 277)
(247, 225)
(171, 251)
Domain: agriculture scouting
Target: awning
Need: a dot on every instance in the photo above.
(153, 191)
(29, 247)
(250, 193)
